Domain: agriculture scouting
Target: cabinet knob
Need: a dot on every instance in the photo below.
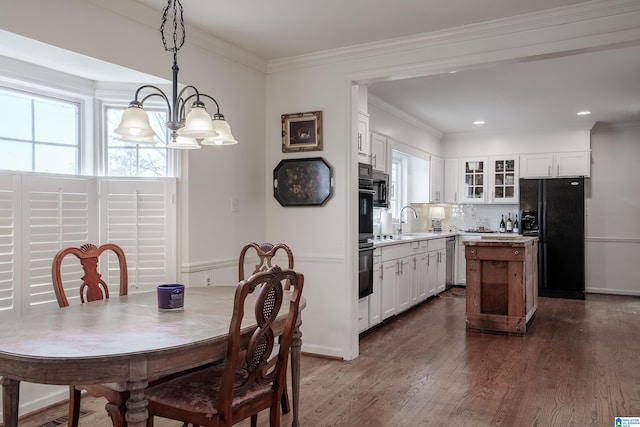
(516, 252)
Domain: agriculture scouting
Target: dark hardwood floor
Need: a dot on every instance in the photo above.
(579, 365)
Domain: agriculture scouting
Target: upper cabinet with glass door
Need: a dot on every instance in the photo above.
(474, 177)
(489, 180)
(504, 182)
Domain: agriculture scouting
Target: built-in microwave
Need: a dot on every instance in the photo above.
(381, 189)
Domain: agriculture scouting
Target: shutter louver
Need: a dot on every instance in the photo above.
(60, 213)
(139, 217)
(8, 245)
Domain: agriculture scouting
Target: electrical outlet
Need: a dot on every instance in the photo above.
(207, 280)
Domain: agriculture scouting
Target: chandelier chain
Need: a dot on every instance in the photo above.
(177, 17)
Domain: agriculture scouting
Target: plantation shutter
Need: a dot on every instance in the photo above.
(140, 216)
(9, 247)
(57, 212)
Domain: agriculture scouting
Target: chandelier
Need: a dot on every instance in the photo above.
(187, 129)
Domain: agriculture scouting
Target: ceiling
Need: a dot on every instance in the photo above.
(507, 97)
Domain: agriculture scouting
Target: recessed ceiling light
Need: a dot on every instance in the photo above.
(478, 122)
(583, 113)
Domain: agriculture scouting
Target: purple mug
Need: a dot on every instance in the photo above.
(170, 297)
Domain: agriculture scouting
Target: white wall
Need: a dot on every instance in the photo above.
(612, 210)
(392, 124)
(534, 141)
(321, 238)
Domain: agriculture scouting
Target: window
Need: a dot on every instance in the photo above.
(127, 159)
(399, 166)
(53, 138)
(39, 133)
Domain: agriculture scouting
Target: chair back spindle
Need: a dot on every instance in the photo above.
(265, 253)
(93, 287)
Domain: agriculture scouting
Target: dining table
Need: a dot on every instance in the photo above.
(126, 339)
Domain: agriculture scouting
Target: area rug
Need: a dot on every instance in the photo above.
(454, 292)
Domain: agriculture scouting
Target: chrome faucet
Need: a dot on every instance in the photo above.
(415, 215)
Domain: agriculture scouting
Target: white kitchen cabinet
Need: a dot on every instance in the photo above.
(408, 274)
(379, 152)
(388, 284)
(437, 180)
(451, 180)
(555, 165)
(573, 164)
(503, 179)
(489, 180)
(441, 276)
(432, 272)
(437, 265)
(536, 165)
(364, 146)
(473, 186)
(396, 278)
(375, 299)
(422, 276)
(403, 284)
(363, 314)
(419, 271)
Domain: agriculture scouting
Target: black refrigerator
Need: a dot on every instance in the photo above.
(553, 209)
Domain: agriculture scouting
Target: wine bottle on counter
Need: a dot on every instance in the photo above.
(509, 223)
(516, 226)
(502, 226)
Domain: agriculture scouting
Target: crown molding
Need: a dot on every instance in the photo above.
(512, 27)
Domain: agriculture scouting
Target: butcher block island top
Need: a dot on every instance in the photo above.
(502, 283)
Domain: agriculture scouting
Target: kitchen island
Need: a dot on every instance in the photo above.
(502, 283)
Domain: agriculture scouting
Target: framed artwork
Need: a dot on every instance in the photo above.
(303, 182)
(302, 132)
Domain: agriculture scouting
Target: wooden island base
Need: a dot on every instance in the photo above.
(502, 283)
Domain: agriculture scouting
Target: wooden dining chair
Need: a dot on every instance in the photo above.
(265, 253)
(93, 288)
(247, 382)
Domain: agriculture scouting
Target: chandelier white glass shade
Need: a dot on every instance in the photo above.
(187, 128)
(183, 143)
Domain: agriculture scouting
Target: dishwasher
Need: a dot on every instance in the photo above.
(451, 261)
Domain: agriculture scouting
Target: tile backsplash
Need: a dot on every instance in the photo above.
(463, 217)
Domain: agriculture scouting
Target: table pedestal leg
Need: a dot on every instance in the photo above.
(137, 413)
(296, 344)
(10, 399)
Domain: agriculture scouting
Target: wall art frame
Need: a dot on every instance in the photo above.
(303, 182)
(302, 132)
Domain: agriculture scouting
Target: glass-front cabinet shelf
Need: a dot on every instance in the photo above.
(504, 179)
(490, 180)
(474, 174)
